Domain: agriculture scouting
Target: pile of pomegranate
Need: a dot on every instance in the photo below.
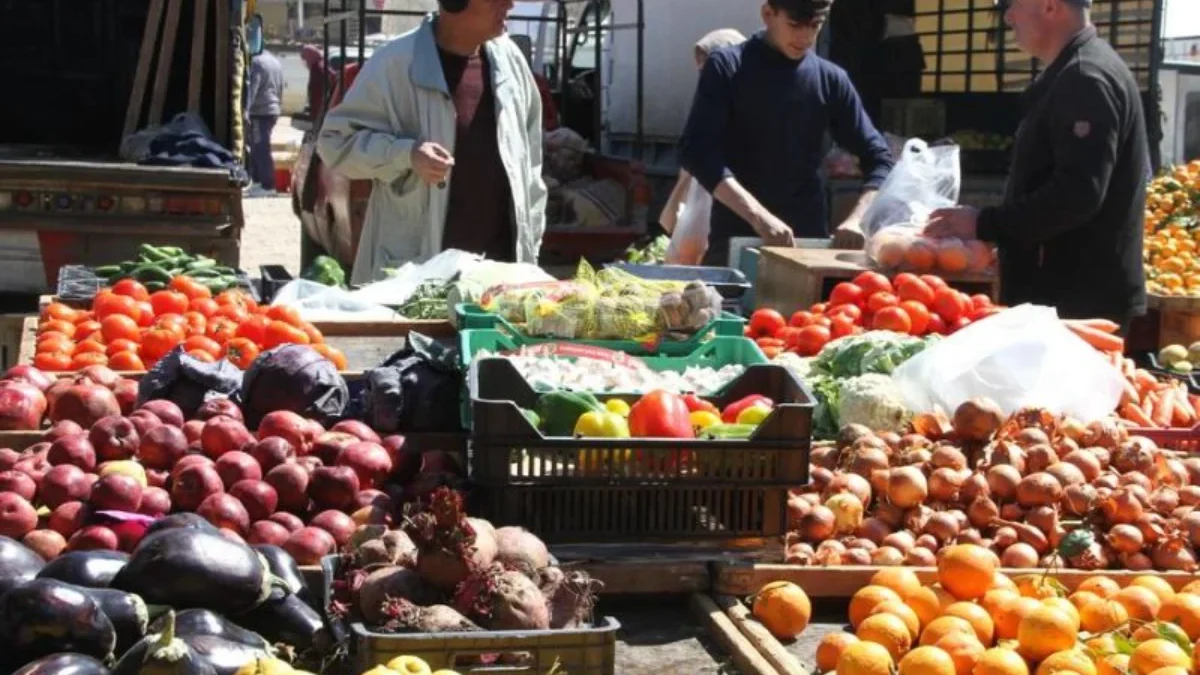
(1017, 486)
(105, 468)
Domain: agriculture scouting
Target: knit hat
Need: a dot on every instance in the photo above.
(719, 39)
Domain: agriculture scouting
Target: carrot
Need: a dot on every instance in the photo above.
(1098, 339)
(1127, 368)
(1182, 416)
(1164, 410)
(1102, 325)
(1136, 415)
(1130, 394)
(1194, 401)
(1144, 380)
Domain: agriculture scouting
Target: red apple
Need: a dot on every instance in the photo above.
(114, 438)
(144, 421)
(259, 498)
(329, 446)
(291, 484)
(165, 410)
(193, 485)
(48, 544)
(339, 525)
(63, 483)
(94, 537)
(30, 374)
(192, 429)
(267, 532)
(8, 458)
(290, 521)
(369, 461)
(62, 428)
(162, 447)
(309, 544)
(224, 434)
(357, 428)
(34, 466)
(189, 460)
(157, 478)
(310, 463)
(237, 466)
(116, 492)
(287, 425)
(271, 452)
(75, 450)
(219, 406)
(17, 516)
(126, 391)
(225, 511)
(155, 502)
(69, 518)
(18, 483)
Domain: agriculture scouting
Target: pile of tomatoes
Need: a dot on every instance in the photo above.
(907, 303)
(130, 329)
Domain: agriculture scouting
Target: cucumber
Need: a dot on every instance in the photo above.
(203, 264)
(204, 274)
(147, 273)
(153, 254)
(129, 266)
(107, 271)
(153, 286)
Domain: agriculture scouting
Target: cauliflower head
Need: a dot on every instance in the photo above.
(874, 401)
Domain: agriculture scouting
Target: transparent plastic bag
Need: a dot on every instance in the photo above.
(317, 302)
(1021, 357)
(689, 241)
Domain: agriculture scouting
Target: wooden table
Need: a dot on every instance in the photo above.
(790, 279)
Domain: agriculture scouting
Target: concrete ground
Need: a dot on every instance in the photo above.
(272, 234)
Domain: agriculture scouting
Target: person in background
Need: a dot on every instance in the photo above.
(320, 80)
(718, 39)
(264, 93)
(756, 129)
(1069, 230)
(446, 121)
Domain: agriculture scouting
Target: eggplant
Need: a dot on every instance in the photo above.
(65, 663)
(47, 616)
(17, 563)
(194, 569)
(185, 521)
(163, 653)
(90, 569)
(225, 657)
(192, 623)
(284, 566)
(289, 620)
(127, 612)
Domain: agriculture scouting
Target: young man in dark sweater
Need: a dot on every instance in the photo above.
(755, 134)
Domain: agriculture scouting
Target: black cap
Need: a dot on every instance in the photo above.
(802, 10)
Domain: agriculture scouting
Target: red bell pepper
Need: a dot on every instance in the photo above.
(660, 414)
(731, 412)
(696, 404)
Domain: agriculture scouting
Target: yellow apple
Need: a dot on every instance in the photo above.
(445, 672)
(126, 467)
(410, 665)
(380, 670)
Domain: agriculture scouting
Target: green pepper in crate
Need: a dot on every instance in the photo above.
(560, 410)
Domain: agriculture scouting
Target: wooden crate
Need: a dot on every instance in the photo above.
(841, 582)
(1178, 319)
(790, 279)
(11, 333)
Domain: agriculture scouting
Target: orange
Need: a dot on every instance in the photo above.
(1102, 616)
(865, 658)
(1191, 587)
(927, 661)
(1002, 581)
(1171, 670)
(865, 599)
(1036, 586)
(900, 611)
(1158, 585)
(889, 250)
(1000, 661)
(1184, 610)
(1140, 602)
(1067, 660)
(952, 256)
(1112, 664)
(900, 579)
(963, 649)
(966, 570)
(830, 649)
(1081, 598)
(1066, 607)
(1101, 586)
(887, 630)
(1008, 617)
(921, 255)
(1160, 629)
(1044, 631)
(943, 626)
(1151, 655)
(996, 598)
(783, 608)
(981, 622)
(928, 602)
(979, 255)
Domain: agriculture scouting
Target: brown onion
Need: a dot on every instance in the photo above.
(1190, 524)
(1044, 518)
(1192, 466)
(856, 556)
(1107, 480)
(1030, 535)
(1121, 507)
(828, 556)
(797, 507)
(887, 557)
(817, 524)
(1039, 457)
(865, 460)
(832, 545)
(1153, 526)
(1003, 480)
(942, 526)
(1073, 429)
(1136, 478)
(849, 482)
(1125, 538)
(1173, 555)
(1038, 489)
(891, 514)
(1136, 562)
(1104, 455)
(825, 456)
(1012, 511)
(1020, 556)
(890, 438)
(907, 487)
(1135, 454)
(1079, 499)
(861, 542)
(902, 541)
(813, 498)
(1104, 432)
(850, 434)
(915, 518)
(1189, 495)
(1164, 500)
(916, 458)
(1004, 537)
(874, 529)
(975, 487)
(1065, 446)
(945, 483)
(920, 557)
(819, 477)
(799, 554)
(928, 542)
(1031, 436)
(946, 456)
(1003, 453)
(1086, 462)
(914, 442)
(1172, 472)
(1066, 474)
(982, 512)
(969, 536)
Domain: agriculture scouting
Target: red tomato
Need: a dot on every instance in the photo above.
(842, 325)
(851, 311)
(949, 304)
(811, 339)
(903, 278)
(801, 319)
(918, 314)
(958, 324)
(894, 319)
(769, 342)
(936, 325)
(818, 308)
(823, 320)
(880, 300)
(846, 293)
(766, 323)
(873, 282)
(935, 282)
(979, 301)
(916, 290)
(788, 336)
(169, 302)
(132, 289)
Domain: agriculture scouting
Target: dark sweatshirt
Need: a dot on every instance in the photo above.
(1069, 230)
(761, 117)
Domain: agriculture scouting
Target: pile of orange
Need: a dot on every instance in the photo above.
(978, 621)
(897, 249)
(130, 329)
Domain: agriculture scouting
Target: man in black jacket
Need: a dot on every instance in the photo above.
(1069, 230)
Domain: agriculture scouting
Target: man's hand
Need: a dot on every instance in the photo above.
(432, 162)
(849, 236)
(774, 232)
(956, 221)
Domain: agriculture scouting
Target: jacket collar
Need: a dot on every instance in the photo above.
(426, 69)
(1047, 76)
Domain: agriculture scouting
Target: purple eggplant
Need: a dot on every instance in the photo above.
(193, 569)
(90, 569)
(191, 623)
(127, 612)
(163, 653)
(47, 616)
(289, 620)
(17, 563)
(187, 521)
(65, 663)
(224, 656)
(284, 566)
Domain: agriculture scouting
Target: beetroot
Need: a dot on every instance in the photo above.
(94, 537)
(162, 446)
(267, 532)
(333, 487)
(114, 438)
(62, 429)
(76, 450)
(404, 616)
(22, 406)
(291, 484)
(357, 428)
(155, 502)
(144, 421)
(48, 544)
(393, 548)
(17, 516)
(391, 582)
(572, 600)
(84, 404)
(18, 483)
(290, 521)
(259, 498)
(519, 549)
(64, 483)
(289, 426)
(225, 512)
(102, 375)
(218, 407)
(116, 492)
(330, 445)
(193, 485)
(369, 460)
(271, 452)
(165, 410)
(237, 466)
(224, 434)
(309, 544)
(339, 525)
(126, 391)
(449, 545)
(30, 374)
(502, 600)
(69, 518)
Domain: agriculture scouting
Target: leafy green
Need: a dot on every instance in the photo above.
(871, 352)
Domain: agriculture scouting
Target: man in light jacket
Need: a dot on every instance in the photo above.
(447, 122)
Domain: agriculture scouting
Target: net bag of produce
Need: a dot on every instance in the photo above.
(188, 382)
(296, 378)
(416, 389)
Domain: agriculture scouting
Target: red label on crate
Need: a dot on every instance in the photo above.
(577, 351)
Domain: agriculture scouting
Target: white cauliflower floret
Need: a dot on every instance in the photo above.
(874, 401)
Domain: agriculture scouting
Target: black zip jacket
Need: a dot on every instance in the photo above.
(1069, 230)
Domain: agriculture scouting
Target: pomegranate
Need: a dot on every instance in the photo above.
(114, 438)
(271, 452)
(189, 460)
(290, 521)
(144, 421)
(291, 484)
(193, 485)
(162, 446)
(219, 407)
(357, 428)
(259, 498)
(61, 429)
(164, 410)
(369, 461)
(267, 532)
(237, 466)
(309, 544)
(22, 406)
(17, 516)
(84, 404)
(333, 487)
(8, 458)
(34, 466)
(192, 430)
(30, 374)
(116, 492)
(225, 511)
(102, 375)
(224, 434)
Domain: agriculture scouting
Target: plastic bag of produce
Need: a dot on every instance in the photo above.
(296, 378)
(188, 382)
(1021, 357)
(417, 389)
(689, 241)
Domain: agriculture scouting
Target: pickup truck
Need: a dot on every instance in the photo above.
(66, 197)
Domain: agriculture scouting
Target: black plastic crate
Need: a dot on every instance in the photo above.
(729, 282)
(79, 284)
(578, 490)
(1162, 371)
(274, 277)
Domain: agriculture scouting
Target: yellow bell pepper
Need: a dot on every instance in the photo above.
(602, 425)
(703, 419)
(617, 406)
(754, 414)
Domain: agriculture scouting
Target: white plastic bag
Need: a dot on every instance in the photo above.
(318, 302)
(1021, 357)
(926, 178)
(689, 241)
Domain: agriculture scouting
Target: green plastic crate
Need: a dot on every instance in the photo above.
(474, 317)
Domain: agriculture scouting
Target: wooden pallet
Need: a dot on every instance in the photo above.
(841, 582)
(790, 279)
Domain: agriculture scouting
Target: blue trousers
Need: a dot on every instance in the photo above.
(262, 164)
